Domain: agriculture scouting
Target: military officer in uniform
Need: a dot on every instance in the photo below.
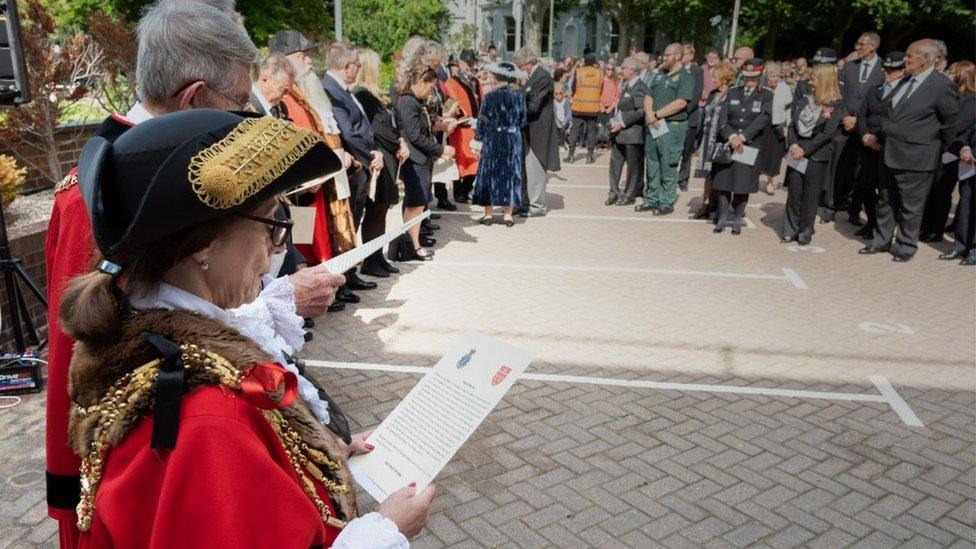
(868, 127)
(745, 115)
(667, 104)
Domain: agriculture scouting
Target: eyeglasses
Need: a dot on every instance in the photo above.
(239, 104)
(279, 229)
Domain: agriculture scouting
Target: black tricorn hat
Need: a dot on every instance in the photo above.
(179, 170)
(894, 60)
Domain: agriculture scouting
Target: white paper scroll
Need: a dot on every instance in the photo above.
(343, 262)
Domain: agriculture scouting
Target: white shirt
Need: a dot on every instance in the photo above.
(870, 67)
(919, 78)
(265, 106)
(371, 531)
(342, 84)
(782, 98)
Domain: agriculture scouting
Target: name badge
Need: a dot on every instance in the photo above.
(734, 102)
(757, 106)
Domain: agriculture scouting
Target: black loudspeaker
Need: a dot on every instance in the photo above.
(14, 88)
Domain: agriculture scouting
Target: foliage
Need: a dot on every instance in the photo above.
(115, 89)
(57, 68)
(385, 25)
(466, 37)
(11, 179)
(263, 18)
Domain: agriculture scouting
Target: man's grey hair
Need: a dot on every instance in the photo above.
(928, 47)
(227, 6)
(943, 49)
(414, 47)
(181, 42)
(339, 55)
(434, 53)
(642, 57)
(632, 63)
(278, 66)
(525, 56)
(874, 37)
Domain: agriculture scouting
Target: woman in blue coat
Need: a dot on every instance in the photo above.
(499, 133)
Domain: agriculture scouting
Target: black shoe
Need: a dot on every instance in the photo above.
(683, 186)
(827, 216)
(717, 230)
(870, 250)
(431, 227)
(427, 242)
(970, 259)
(434, 216)
(385, 265)
(569, 156)
(374, 270)
(737, 230)
(930, 237)
(590, 158)
(336, 306)
(344, 295)
(786, 239)
(952, 256)
(700, 214)
(446, 205)
(625, 202)
(611, 201)
(803, 242)
(353, 282)
(866, 230)
(509, 223)
(308, 323)
(461, 199)
(486, 221)
(901, 258)
(645, 207)
(855, 220)
(664, 211)
(522, 214)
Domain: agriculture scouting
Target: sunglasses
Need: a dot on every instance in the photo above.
(278, 229)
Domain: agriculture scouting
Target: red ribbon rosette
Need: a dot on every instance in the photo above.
(826, 111)
(260, 380)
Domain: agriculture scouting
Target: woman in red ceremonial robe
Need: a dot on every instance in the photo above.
(193, 428)
(464, 88)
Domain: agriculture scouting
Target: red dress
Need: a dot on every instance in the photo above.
(227, 483)
(470, 101)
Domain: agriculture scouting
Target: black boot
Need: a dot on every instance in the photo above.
(569, 157)
(590, 157)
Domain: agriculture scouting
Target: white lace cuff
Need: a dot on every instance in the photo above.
(371, 531)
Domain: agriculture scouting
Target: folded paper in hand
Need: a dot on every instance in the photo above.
(966, 170)
(422, 434)
(747, 156)
(343, 262)
(661, 129)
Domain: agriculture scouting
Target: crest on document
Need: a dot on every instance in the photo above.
(500, 375)
(464, 360)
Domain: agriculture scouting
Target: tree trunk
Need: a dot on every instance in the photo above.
(51, 144)
(769, 45)
(841, 24)
(535, 18)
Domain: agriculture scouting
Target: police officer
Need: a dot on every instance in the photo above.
(745, 115)
(672, 89)
(830, 201)
(868, 128)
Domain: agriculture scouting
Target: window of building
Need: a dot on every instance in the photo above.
(614, 35)
(545, 33)
(510, 34)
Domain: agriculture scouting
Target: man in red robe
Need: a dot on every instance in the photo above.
(464, 88)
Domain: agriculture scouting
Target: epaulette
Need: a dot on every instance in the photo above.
(69, 181)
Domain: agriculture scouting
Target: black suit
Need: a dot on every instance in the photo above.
(357, 139)
(916, 130)
(804, 189)
(847, 151)
(628, 143)
(866, 176)
(940, 199)
(694, 122)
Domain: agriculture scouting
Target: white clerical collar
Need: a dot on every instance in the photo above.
(265, 106)
(338, 78)
(167, 296)
(138, 113)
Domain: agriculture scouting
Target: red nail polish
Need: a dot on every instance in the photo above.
(412, 484)
(369, 447)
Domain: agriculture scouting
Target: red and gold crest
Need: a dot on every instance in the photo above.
(500, 375)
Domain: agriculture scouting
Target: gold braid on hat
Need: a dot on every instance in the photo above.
(255, 153)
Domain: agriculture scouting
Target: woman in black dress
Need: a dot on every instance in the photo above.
(724, 76)
(394, 150)
(815, 121)
(745, 115)
(417, 129)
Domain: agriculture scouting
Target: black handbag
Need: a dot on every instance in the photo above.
(722, 154)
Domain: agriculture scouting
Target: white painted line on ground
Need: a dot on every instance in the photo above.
(888, 394)
(789, 275)
(566, 165)
(649, 219)
(897, 403)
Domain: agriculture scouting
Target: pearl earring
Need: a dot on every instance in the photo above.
(205, 264)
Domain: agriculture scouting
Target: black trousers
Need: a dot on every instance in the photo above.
(358, 187)
(687, 153)
(837, 186)
(586, 125)
(374, 225)
(966, 216)
(631, 155)
(865, 194)
(803, 194)
(901, 204)
(939, 202)
(463, 188)
(738, 203)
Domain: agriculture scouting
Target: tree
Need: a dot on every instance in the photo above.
(385, 25)
(57, 67)
(115, 90)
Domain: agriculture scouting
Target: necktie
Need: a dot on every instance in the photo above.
(908, 92)
(864, 72)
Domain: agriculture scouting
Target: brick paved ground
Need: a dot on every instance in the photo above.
(561, 464)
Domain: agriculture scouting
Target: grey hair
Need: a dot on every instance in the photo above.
(874, 37)
(642, 57)
(180, 42)
(415, 47)
(631, 63)
(941, 46)
(928, 47)
(276, 66)
(525, 56)
(227, 6)
(434, 52)
(340, 54)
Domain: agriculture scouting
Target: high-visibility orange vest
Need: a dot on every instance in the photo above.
(587, 85)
